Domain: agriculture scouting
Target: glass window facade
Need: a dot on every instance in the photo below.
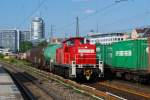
(9, 39)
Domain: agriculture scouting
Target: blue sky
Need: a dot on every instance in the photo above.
(62, 13)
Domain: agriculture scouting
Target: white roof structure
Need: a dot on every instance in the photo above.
(105, 38)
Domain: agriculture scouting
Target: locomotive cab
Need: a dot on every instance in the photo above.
(79, 57)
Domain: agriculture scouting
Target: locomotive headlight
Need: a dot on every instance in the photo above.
(81, 54)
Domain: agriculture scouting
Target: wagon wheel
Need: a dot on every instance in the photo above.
(128, 76)
(136, 78)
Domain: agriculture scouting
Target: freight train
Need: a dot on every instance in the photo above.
(74, 58)
(127, 59)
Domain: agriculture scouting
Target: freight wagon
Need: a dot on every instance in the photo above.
(50, 55)
(128, 59)
(35, 56)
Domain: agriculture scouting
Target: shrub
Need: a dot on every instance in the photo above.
(1, 55)
(12, 60)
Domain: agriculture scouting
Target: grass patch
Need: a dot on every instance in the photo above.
(15, 61)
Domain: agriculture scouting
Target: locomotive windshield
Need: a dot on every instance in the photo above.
(70, 43)
(84, 41)
(76, 41)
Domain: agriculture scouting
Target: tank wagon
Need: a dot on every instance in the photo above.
(50, 55)
(128, 59)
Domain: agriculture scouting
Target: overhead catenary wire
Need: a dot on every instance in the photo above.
(126, 18)
(22, 5)
(85, 17)
(33, 12)
(133, 27)
(98, 11)
(21, 9)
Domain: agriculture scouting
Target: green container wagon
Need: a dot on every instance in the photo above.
(130, 56)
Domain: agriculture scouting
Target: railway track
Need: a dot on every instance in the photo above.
(124, 90)
(28, 85)
(27, 95)
(80, 88)
(101, 90)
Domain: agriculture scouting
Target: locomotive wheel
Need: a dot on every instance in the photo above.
(119, 75)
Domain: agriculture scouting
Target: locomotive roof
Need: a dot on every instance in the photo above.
(73, 38)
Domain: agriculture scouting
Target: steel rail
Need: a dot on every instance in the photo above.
(130, 91)
(85, 89)
(22, 88)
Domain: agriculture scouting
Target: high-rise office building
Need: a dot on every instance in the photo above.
(37, 29)
(25, 36)
(9, 39)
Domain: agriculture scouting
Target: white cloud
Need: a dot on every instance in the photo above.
(89, 11)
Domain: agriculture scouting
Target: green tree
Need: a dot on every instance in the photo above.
(26, 45)
(43, 43)
(1, 55)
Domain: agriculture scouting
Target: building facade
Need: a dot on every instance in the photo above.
(9, 39)
(56, 40)
(140, 33)
(37, 29)
(105, 38)
(25, 36)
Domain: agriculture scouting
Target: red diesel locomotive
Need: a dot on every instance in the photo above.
(77, 58)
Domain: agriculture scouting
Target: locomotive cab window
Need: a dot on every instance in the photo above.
(70, 43)
(84, 41)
